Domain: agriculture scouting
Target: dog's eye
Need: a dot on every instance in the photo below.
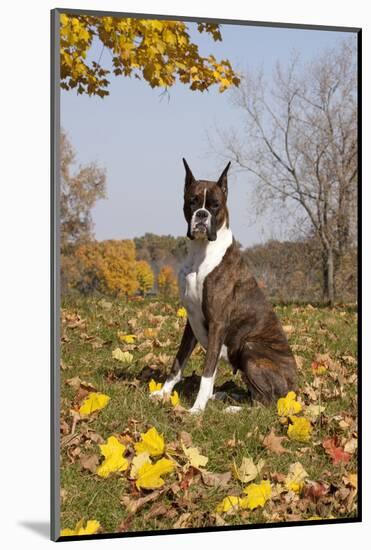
(215, 204)
(193, 201)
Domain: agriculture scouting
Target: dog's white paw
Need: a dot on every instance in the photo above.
(195, 410)
(159, 394)
(232, 409)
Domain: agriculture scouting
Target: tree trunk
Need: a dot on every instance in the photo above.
(328, 277)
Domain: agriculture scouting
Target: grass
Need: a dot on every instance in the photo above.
(87, 347)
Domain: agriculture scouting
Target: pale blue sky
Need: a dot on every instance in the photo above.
(141, 138)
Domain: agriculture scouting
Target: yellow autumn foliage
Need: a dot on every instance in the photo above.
(151, 442)
(159, 52)
(93, 402)
(288, 405)
(92, 526)
(299, 429)
(114, 461)
(167, 282)
(145, 276)
(108, 266)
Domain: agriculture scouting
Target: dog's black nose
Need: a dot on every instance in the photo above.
(202, 214)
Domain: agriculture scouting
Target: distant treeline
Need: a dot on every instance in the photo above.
(287, 271)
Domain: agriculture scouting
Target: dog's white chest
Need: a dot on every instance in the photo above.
(203, 258)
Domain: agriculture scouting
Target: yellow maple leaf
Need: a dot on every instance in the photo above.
(257, 494)
(154, 386)
(151, 442)
(248, 471)
(114, 461)
(137, 462)
(174, 398)
(93, 402)
(295, 478)
(300, 429)
(126, 338)
(123, 356)
(150, 332)
(92, 527)
(149, 475)
(351, 479)
(194, 457)
(314, 411)
(288, 405)
(228, 503)
(182, 312)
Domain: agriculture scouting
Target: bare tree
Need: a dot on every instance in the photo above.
(80, 189)
(299, 143)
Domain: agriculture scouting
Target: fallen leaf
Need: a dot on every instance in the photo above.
(248, 471)
(92, 526)
(150, 332)
(133, 506)
(154, 386)
(89, 463)
(182, 312)
(149, 475)
(335, 452)
(299, 429)
(288, 405)
(351, 445)
(137, 462)
(182, 521)
(123, 356)
(315, 490)
(186, 438)
(151, 442)
(273, 443)
(159, 509)
(114, 461)
(349, 359)
(256, 495)
(194, 457)
(314, 411)
(296, 477)
(212, 479)
(174, 399)
(228, 503)
(93, 402)
(126, 338)
(352, 480)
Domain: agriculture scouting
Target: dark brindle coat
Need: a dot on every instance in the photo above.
(233, 319)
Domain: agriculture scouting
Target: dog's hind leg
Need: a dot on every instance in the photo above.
(267, 380)
(187, 345)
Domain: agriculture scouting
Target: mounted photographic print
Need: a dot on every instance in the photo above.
(205, 215)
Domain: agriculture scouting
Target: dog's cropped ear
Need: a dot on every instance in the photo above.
(222, 181)
(189, 176)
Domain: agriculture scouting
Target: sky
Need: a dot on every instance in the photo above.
(140, 137)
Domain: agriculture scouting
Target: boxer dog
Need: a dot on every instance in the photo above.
(227, 312)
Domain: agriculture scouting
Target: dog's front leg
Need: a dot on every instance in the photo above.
(215, 341)
(187, 345)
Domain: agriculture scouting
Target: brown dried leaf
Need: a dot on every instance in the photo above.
(183, 520)
(273, 443)
(134, 505)
(186, 438)
(212, 479)
(89, 462)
